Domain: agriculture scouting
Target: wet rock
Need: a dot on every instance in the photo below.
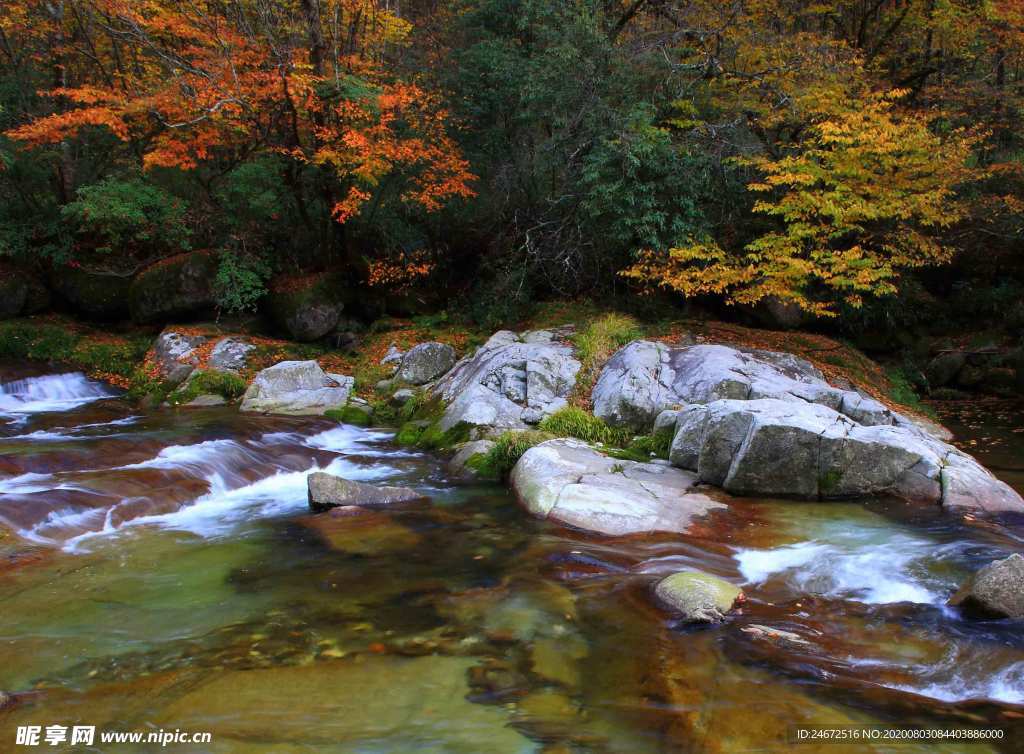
(776, 637)
(426, 362)
(327, 491)
(556, 660)
(174, 288)
(230, 354)
(997, 590)
(509, 380)
(468, 454)
(807, 450)
(207, 400)
(645, 378)
(176, 355)
(568, 481)
(698, 597)
(296, 387)
(365, 533)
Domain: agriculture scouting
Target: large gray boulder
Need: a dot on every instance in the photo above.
(176, 355)
(568, 481)
(230, 354)
(512, 381)
(997, 590)
(776, 447)
(296, 387)
(327, 491)
(645, 378)
(425, 363)
(697, 597)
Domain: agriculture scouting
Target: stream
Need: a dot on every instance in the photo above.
(170, 577)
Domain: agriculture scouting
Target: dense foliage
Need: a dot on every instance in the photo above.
(813, 154)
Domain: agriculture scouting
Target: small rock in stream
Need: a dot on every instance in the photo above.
(997, 590)
(327, 491)
(698, 597)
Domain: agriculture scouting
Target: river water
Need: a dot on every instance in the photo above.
(166, 575)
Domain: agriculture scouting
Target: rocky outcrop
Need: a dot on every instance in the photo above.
(327, 491)
(644, 378)
(93, 295)
(174, 289)
(230, 354)
(512, 381)
(21, 292)
(570, 482)
(176, 356)
(776, 447)
(425, 363)
(297, 387)
(697, 597)
(997, 590)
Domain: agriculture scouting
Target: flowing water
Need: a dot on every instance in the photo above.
(161, 571)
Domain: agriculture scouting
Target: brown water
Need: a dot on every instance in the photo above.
(167, 575)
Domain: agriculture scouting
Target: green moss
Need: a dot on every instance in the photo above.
(410, 432)
(225, 384)
(22, 340)
(658, 445)
(350, 415)
(507, 451)
(828, 481)
(434, 438)
(903, 392)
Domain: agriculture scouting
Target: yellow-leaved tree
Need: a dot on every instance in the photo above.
(864, 194)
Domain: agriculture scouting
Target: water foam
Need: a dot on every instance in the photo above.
(54, 392)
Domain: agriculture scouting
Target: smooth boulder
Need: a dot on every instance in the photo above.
(425, 363)
(466, 457)
(327, 491)
(805, 450)
(570, 482)
(997, 590)
(511, 382)
(298, 388)
(645, 378)
(307, 308)
(697, 597)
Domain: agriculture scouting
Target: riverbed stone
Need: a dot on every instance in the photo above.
(328, 491)
(176, 355)
(698, 597)
(997, 590)
(805, 450)
(466, 455)
(570, 482)
(645, 378)
(426, 362)
(230, 354)
(297, 387)
(512, 381)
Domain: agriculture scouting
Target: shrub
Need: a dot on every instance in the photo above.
(575, 422)
(508, 449)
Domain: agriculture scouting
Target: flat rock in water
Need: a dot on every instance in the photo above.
(298, 388)
(512, 381)
(997, 590)
(327, 491)
(572, 483)
(698, 597)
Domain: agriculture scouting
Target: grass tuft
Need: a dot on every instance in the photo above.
(596, 343)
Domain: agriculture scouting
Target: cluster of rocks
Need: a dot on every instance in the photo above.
(987, 369)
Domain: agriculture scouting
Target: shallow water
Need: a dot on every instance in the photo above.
(167, 575)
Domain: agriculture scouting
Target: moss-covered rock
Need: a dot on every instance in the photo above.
(21, 292)
(92, 294)
(177, 288)
(307, 308)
